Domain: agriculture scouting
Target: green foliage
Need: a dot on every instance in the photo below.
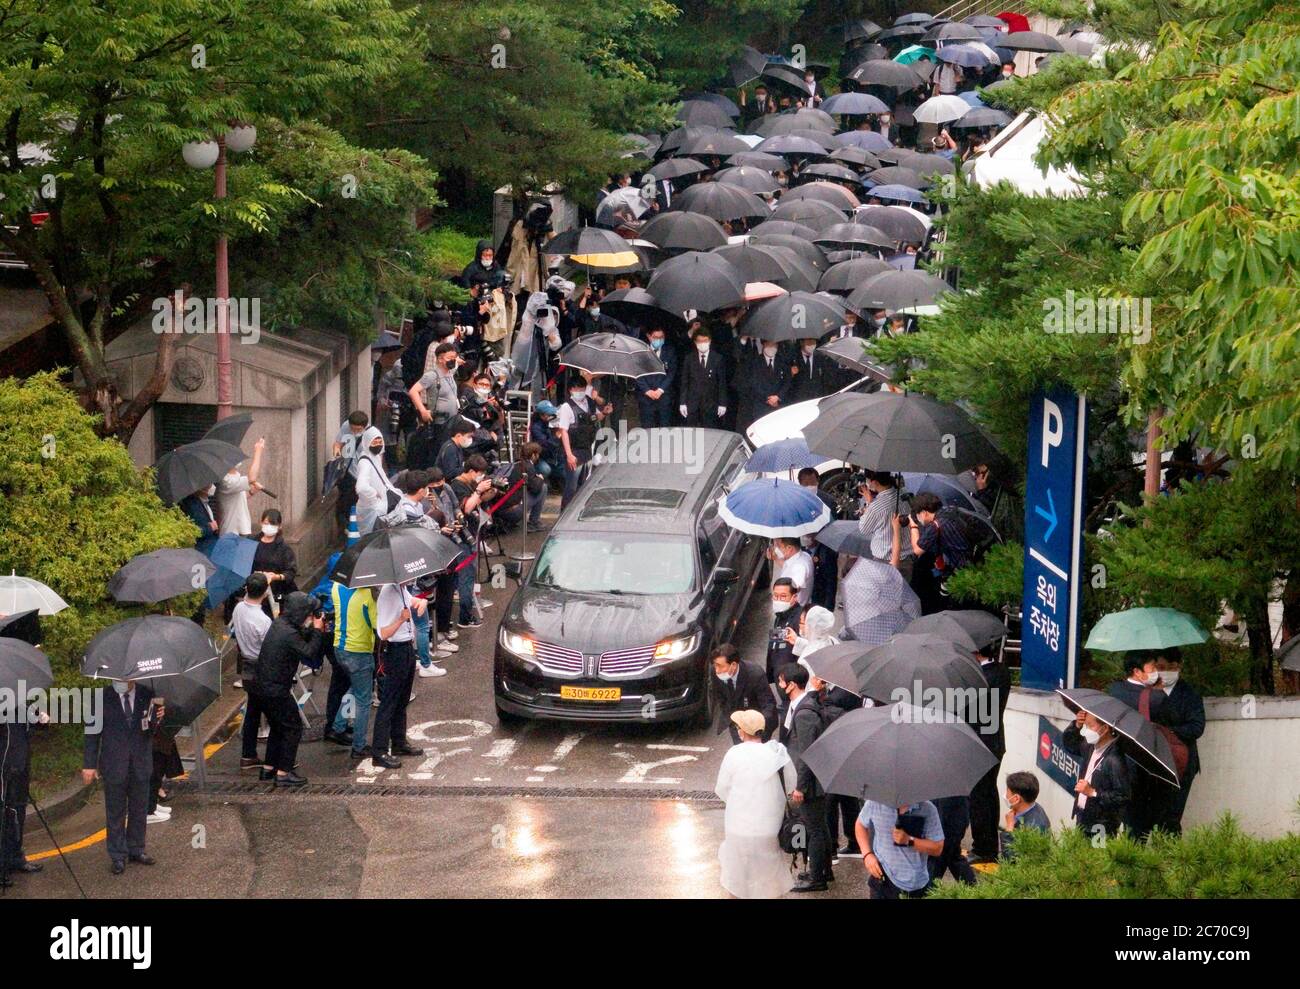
(994, 581)
(1219, 861)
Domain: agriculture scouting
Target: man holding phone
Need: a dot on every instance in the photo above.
(896, 844)
(119, 752)
(396, 620)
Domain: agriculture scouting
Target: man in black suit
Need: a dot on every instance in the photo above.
(702, 398)
(813, 373)
(1184, 713)
(741, 686)
(765, 384)
(15, 772)
(984, 798)
(801, 725)
(761, 105)
(119, 751)
(1101, 794)
(786, 613)
(1139, 692)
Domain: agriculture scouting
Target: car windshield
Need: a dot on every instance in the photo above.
(615, 564)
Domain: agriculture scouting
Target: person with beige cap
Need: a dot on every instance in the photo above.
(753, 781)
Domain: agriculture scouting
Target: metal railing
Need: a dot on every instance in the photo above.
(969, 8)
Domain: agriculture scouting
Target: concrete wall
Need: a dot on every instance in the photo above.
(1250, 760)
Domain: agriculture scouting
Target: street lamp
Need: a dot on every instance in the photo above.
(201, 155)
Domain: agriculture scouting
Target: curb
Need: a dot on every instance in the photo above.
(66, 802)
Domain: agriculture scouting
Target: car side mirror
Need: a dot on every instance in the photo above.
(725, 575)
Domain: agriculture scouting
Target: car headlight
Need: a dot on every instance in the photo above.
(519, 645)
(671, 649)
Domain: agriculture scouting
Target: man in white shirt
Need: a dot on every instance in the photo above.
(793, 563)
(249, 623)
(233, 492)
(397, 610)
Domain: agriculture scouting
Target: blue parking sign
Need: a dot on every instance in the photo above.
(1049, 610)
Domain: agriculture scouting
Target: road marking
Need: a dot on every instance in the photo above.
(567, 744)
(501, 750)
(470, 730)
(535, 779)
(76, 846)
(638, 772)
(434, 758)
(678, 748)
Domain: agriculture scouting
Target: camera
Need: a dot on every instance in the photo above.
(776, 638)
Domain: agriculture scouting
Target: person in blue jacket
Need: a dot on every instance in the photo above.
(655, 392)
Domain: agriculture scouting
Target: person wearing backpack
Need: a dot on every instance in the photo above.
(1139, 692)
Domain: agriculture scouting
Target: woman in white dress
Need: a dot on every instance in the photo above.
(754, 788)
(373, 486)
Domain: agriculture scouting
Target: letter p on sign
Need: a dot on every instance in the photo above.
(1053, 427)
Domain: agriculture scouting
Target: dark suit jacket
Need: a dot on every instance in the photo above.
(779, 655)
(1110, 779)
(666, 381)
(814, 377)
(1184, 712)
(758, 381)
(750, 691)
(1131, 694)
(703, 389)
(806, 728)
(16, 758)
(121, 749)
(202, 516)
(999, 679)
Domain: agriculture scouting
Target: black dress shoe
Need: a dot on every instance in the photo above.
(407, 749)
(387, 761)
(117, 868)
(809, 887)
(142, 859)
(28, 867)
(249, 763)
(266, 775)
(338, 738)
(290, 779)
(359, 754)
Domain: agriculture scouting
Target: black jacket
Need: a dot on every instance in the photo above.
(781, 652)
(758, 382)
(999, 680)
(287, 644)
(15, 763)
(1131, 694)
(814, 377)
(1184, 712)
(749, 691)
(702, 389)
(121, 749)
(277, 557)
(1110, 779)
(808, 725)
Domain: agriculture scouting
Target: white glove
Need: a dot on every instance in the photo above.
(722, 411)
(682, 410)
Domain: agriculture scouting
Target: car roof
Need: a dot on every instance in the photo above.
(657, 497)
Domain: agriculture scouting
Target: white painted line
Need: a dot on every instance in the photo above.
(535, 779)
(501, 750)
(679, 748)
(482, 779)
(545, 769)
(1048, 563)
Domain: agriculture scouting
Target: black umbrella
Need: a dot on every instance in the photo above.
(834, 668)
(193, 467)
(984, 116)
(25, 626)
(22, 663)
(703, 113)
(896, 175)
(835, 196)
(702, 282)
(854, 104)
(162, 574)
(846, 537)
(793, 145)
(894, 290)
(635, 307)
(587, 240)
(850, 352)
(152, 648)
(810, 212)
(925, 165)
(747, 177)
(783, 76)
(770, 263)
(887, 75)
(892, 432)
(850, 60)
(859, 157)
(612, 353)
(786, 228)
(898, 755)
(677, 231)
(832, 171)
(950, 32)
(844, 277)
(189, 695)
(806, 121)
(913, 19)
(861, 29)
(231, 429)
(1288, 655)
(902, 32)
(759, 159)
(1030, 41)
(896, 222)
(678, 135)
(915, 664)
(745, 67)
(721, 144)
(969, 628)
(796, 316)
(806, 249)
(1138, 736)
(723, 103)
(675, 168)
(394, 556)
(851, 236)
(719, 201)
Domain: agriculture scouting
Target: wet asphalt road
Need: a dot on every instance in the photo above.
(541, 810)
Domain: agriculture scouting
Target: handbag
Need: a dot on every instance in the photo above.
(1176, 745)
(792, 835)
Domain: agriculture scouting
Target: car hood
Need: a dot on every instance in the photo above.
(786, 423)
(599, 622)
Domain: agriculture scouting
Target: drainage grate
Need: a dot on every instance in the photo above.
(250, 788)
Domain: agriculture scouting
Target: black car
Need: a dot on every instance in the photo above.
(637, 582)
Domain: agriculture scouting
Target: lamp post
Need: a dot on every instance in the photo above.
(206, 154)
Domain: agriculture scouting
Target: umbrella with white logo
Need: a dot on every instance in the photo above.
(394, 556)
(149, 648)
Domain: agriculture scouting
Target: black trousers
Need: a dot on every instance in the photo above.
(813, 813)
(954, 815)
(443, 589)
(883, 889)
(253, 713)
(1171, 807)
(984, 815)
(394, 695)
(842, 814)
(14, 814)
(286, 732)
(126, 805)
(340, 684)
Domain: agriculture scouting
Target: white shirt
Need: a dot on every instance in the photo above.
(249, 623)
(566, 417)
(232, 499)
(789, 714)
(392, 599)
(799, 568)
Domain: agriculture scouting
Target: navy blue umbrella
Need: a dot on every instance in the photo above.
(774, 507)
(947, 488)
(898, 193)
(788, 454)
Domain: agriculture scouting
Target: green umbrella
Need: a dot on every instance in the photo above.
(1145, 628)
(914, 53)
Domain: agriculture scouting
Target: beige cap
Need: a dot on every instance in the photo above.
(751, 722)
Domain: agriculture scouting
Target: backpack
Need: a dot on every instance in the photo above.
(1176, 745)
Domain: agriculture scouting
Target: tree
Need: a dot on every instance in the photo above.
(95, 103)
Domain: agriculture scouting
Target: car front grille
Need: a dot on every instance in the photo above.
(558, 659)
(627, 660)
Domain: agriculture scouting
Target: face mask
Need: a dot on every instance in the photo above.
(464, 441)
(119, 686)
(1152, 679)
(769, 351)
(703, 348)
(487, 263)
(377, 450)
(1090, 736)
(211, 490)
(1169, 678)
(657, 343)
(725, 677)
(781, 606)
(579, 395)
(1013, 801)
(482, 392)
(595, 311)
(270, 530)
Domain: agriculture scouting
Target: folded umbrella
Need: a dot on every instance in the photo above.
(162, 574)
(23, 666)
(612, 353)
(898, 755)
(797, 316)
(1145, 628)
(969, 628)
(394, 556)
(774, 507)
(26, 594)
(193, 467)
(783, 455)
(1138, 736)
(151, 648)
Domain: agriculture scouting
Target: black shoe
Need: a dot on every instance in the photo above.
(535, 527)
(358, 754)
(266, 775)
(290, 779)
(472, 623)
(338, 738)
(385, 760)
(980, 859)
(117, 868)
(142, 859)
(806, 877)
(850, 851)
(27, 868)
(406, 748)
(245, 763)
(809, 887)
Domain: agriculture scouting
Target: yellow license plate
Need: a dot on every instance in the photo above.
(591, 693)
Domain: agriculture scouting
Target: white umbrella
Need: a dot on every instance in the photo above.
(24, 594)
(941, 110)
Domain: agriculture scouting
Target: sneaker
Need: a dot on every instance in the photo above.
(374, 701)
(446, 645)
(163, 810)
(484, 603)
(432, 670)
(440, 654)
(156, 818)
(472, 623)
(452, 634)
(238, 684)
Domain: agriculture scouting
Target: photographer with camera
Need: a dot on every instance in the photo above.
(436, 397)
(940, 546)
(444, 511)
(479, 402)
(460, 437)
(470, 488)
